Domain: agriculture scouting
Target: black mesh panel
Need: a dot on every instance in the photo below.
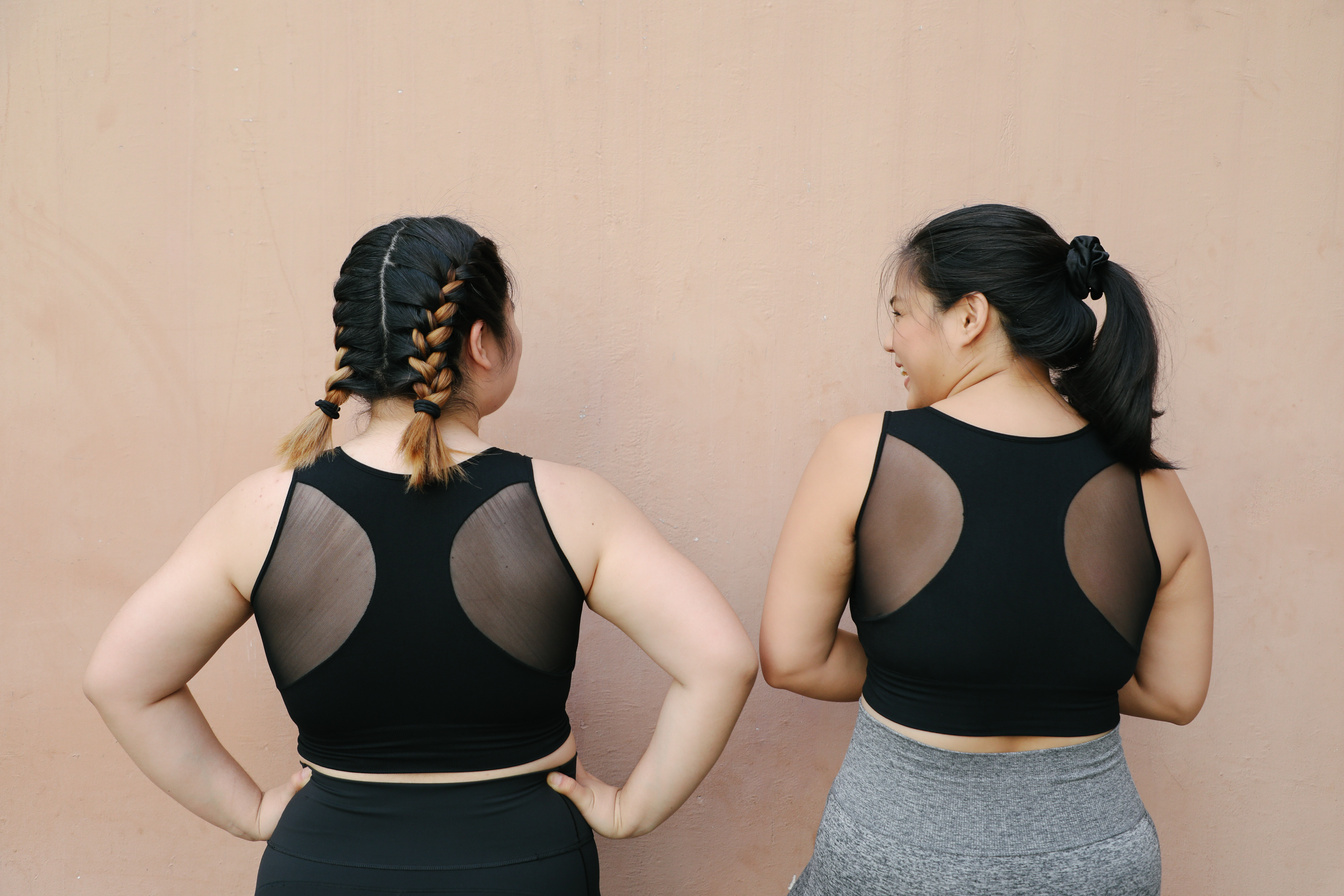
(513, 584)
(1109, 552)
(911, 524)
(317, 585)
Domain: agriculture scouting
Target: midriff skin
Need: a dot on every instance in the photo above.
(560, 756)
(1013, 743)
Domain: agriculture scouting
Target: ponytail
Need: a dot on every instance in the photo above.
(1114, 386)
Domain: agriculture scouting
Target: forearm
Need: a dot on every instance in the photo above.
(693, 728)
(174, 746)
(839, 677)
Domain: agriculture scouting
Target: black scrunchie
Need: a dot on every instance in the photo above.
(1086, 265)
(331, 410)
(425, 406)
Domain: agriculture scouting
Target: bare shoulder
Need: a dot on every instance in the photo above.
(830, 492)
(243, 523)
(256, 499)
(572, 491)
(265, 487)
(848, 448)
(853, 438)
(843, 460)
(584, 510)
(1165, 497)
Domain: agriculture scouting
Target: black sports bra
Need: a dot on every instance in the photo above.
(1001, 583)
(422, 631)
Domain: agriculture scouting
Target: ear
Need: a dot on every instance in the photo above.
(969, 318)
(477, 347)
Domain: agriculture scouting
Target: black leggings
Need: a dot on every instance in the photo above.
(511, 836)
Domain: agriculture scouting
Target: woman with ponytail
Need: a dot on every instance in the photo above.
(1021, 567)
(418, 592)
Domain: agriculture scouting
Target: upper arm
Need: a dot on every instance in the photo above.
(639, 582)
(813, 563)
(174, 622)
(1175, 660)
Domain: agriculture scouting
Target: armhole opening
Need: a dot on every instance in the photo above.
(275, 536)
(1147, 529)
(872, 474)
(550, 532)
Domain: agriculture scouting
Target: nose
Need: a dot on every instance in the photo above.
(889, 340)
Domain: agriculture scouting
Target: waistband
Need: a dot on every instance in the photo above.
(476, 824)
(986, 803)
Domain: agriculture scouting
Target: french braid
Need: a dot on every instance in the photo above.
(421, 447)
(408, 294)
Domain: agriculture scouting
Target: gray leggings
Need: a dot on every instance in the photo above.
(904, 818)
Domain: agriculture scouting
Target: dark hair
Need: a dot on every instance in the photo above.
(407, 297)
(1037, 282)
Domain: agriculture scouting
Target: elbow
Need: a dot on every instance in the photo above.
(1170, 706)
(1184, 712)
(1181, 706)
(749, 670)
(727, 666)
(105, 688)
(96, 687)
(780, 671)
(773, 674)
(741, 666)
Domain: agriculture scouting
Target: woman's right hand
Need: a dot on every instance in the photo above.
(638, 582)
(273, 803)
(597, 801)
(158, 641)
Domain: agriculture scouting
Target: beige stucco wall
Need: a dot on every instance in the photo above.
(696, 198)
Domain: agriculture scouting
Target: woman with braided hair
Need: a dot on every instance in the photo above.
(418, 591)
(1021, 568)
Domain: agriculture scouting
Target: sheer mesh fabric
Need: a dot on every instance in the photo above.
(318, 583)
(1109, 552)
(911, 524)
(513, 585)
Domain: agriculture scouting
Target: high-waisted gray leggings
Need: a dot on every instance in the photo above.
(904, 818)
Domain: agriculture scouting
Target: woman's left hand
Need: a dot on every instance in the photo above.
(598, 802)
(273, 803)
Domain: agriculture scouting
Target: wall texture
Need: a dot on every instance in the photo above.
(696, 198)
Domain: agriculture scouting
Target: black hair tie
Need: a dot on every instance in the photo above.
(331, 410)
(1086, 266)
(425, 406)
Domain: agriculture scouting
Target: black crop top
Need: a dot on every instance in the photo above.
(423, 631)
(1001, 583)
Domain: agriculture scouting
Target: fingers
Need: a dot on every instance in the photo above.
(577, 793)
(274, 801)
(575, 787)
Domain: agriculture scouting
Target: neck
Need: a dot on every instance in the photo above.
(1006, 393)
(378, 444)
